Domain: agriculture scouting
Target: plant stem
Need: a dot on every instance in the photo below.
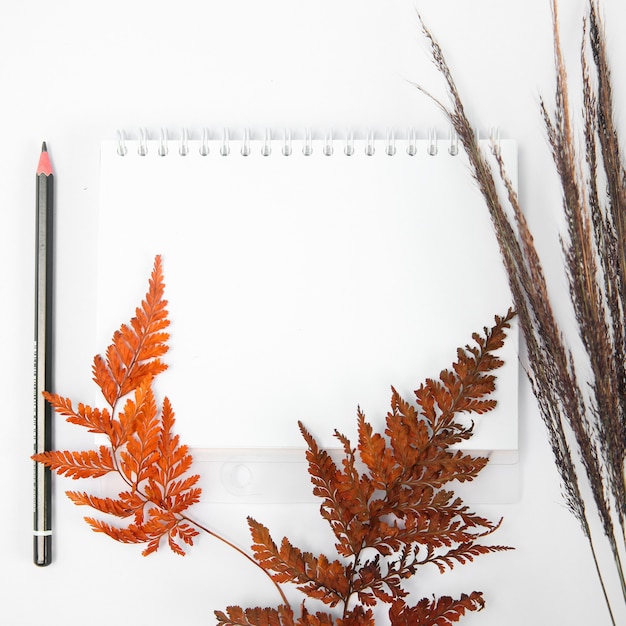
(135, 488)
(240, 551)
(619, 567)
(587, 532)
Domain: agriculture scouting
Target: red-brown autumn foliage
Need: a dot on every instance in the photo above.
(142, 448)
(386, 503)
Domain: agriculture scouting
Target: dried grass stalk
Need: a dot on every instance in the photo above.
(585, 417)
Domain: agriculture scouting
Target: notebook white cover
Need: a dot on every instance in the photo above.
(301, 287)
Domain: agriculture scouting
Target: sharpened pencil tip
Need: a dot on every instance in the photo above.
(44, 167)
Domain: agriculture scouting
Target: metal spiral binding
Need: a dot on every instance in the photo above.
(369, 143)
(390, 150)
(245, 143)
(307, 149)
(286, 142)
(454, 143)
(266, 147)
(411, 148)
(327, 141)
(432, 142)
(122, 150)
(204, 143)
(184, 143)
(143, 142)
(163, 148)
(225, 149)
(349, 149)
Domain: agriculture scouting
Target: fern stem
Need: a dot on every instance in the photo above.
(201, 527)
(210, 532)
(240, 551)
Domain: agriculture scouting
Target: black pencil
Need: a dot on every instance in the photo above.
(42, 544)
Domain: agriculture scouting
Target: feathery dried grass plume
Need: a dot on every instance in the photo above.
(585, 415)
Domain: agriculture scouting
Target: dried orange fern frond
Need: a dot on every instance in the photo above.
(85, 464)
(284, 616)
(136, 349)
(387, 508)
(384, 502)
(440, 612)
(142, 448)
(464, 388)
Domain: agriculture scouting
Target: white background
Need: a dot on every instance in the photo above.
(72, 72)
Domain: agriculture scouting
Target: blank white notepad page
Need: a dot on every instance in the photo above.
(301, 287)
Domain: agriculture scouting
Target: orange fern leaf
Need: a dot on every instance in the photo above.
(332, 485)
(236, 616)
(174, 459)
(461, 390)
(120, 507)
(464, 553)
(95, 420)
(133, 533)
(357, 617)
(318, 618)
(384, 584)
(136, 348)
(138, 428)
(150, 532)
(154, 465)
(87, 464)
(387, 506)
(318, 577)
(384, 502)
(437, 612)
(170, 461)
(142, 447)
(379, 459)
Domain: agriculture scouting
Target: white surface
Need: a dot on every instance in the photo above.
(71, 73)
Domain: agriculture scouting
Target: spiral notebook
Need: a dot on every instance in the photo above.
(305, 276)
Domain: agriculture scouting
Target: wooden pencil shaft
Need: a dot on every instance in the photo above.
(43, 370)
